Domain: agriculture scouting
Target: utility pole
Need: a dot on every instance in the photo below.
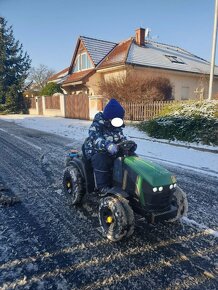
(213, 51)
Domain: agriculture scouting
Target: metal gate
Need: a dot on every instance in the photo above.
(77, 106)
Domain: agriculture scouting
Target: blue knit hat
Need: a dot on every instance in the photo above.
(113, 110)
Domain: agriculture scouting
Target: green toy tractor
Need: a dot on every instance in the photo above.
(139, 186)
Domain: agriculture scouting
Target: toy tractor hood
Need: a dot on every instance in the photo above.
(153, 173)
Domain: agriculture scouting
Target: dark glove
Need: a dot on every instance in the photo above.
(128, 147)
(134, 147)
(111, 148)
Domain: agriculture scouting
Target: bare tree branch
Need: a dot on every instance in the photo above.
(39, 75)
(132, 87)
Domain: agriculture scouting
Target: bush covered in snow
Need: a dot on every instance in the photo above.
(190, 121)
(208, 109)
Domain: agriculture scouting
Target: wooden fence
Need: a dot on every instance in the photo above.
(52, 102)
(77, 106)
(143, 110)
(32, 103)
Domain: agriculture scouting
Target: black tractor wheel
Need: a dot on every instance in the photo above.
(73, 184)
(113, 218)
(130, 216)
(181, 202)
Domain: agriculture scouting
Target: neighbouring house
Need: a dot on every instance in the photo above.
(60, 76)
(31, 90)
(94, 60)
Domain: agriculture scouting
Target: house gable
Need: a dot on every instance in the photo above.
(93, 50)
(82, 60)
(88, 53)
(117, 56)
(98, 49)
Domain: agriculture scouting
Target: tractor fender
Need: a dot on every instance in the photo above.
(78, 163)
(117, 191)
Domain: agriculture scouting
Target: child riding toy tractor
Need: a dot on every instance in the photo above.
(139, 186)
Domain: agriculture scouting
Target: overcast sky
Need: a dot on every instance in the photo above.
(48, 29)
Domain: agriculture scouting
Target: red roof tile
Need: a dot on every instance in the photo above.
(118, 55)
(57, 75)
(79, 76)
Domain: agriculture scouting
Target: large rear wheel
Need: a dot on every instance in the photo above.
(73, 184)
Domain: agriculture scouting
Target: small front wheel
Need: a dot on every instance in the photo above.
(73, 184)
(113, 218)
(181, 202)
(129, 215)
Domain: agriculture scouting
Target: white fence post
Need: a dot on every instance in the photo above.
(43, 105)
(37, 105)
(62, 105)
(95, 105)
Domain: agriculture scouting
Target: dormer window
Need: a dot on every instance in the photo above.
(82, 62)
(175, 59)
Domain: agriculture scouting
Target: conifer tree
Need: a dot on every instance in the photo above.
(14, 67)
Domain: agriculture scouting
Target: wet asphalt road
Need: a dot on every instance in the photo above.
(47, 244)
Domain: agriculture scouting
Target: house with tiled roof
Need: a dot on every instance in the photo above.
(94, 60)
(60, 76)
(89, 52)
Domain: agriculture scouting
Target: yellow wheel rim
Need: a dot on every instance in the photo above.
(109, 219)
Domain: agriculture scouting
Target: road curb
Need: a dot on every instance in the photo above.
(215, 151)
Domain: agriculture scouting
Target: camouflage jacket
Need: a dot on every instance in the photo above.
(100, 133)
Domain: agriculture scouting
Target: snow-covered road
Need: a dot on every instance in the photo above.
(47, 244)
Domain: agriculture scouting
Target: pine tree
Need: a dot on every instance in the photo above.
(14, 67)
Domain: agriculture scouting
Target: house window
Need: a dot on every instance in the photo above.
(83, 62)
(77, 64)
(185, 93)
(89, 63)
(174, 59)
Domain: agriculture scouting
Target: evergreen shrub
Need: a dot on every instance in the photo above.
(50, 89)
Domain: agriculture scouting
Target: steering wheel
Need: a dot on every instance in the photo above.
(127, 147)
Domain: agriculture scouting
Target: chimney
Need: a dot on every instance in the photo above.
(140, 36)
